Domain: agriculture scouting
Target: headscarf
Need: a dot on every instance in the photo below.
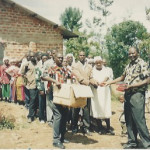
(91, 60)
(5, 58)
(70, 54)
(97, 58)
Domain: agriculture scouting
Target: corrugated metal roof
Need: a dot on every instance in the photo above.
(66, 33)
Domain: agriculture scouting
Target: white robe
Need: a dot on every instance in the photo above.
(101, 102)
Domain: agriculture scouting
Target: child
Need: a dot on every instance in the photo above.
(122, 117)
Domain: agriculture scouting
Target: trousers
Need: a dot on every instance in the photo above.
(134, 109)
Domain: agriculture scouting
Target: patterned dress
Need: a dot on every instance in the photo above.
(5, 81)
(17, 84)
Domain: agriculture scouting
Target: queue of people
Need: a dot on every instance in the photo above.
(30, 81)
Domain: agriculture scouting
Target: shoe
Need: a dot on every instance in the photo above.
(148, 147)
(87, 132)
(42, 121)
(110, 132)
(130, 146)
(65, 141)
(59, 145)
(27, 107)
(101, 132)
(50, 124)
(29, 120)
(74, 131)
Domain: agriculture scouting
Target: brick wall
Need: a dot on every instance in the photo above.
(20, 32)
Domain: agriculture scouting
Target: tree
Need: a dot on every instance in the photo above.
(119, 39)
(144, 47)
(71, 19)
(99, 22)
(147, 11)
(74, 45)
(100, 6)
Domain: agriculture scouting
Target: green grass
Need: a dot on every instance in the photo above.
(6, 123)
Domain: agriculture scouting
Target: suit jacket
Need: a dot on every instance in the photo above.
(82, 73)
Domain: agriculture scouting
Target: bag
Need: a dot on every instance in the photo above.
(121, 87)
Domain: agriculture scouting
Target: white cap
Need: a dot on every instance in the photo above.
(97, 58)
(5, 58)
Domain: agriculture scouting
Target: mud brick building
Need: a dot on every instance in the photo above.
(22, 30)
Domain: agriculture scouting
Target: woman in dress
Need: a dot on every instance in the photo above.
(5, 80)
(101, 102)
(16, 83)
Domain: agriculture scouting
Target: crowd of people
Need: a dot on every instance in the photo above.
(30, 81)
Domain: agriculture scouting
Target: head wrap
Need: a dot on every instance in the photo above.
(91, 60)
(70, 54)
(97, 58)
(5, 58)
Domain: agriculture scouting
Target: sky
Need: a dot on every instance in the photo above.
(120, 10)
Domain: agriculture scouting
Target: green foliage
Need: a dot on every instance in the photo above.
(118, 41)
(7, 123)
(145, 49)
(99, 23)
(81, 43)
(71, 18)
(147, 11)
(128, 32)
(100, 6)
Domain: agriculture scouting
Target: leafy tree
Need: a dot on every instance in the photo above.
(144, 47)
(145, 44)
(147, 11)
(71, 18)
(119, 39)
(100, 6)
(82, 43)
(99, 22)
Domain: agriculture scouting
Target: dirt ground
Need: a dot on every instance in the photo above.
(39, 136)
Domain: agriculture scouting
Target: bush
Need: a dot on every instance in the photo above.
(7, 123)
